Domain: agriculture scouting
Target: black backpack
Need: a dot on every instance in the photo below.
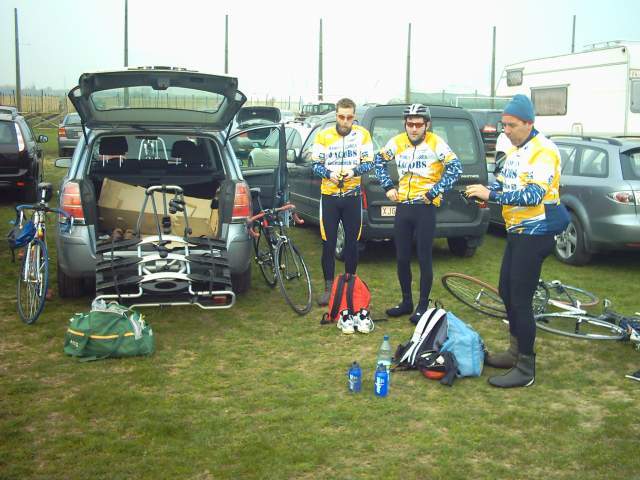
(428, 336)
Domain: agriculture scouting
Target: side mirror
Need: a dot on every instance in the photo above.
(292, 155)
(64, 162)
(42, 139)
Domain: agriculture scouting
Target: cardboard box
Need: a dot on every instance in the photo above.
(119, 206)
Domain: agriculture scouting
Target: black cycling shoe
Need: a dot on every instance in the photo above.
(417, 315)
(402, 308)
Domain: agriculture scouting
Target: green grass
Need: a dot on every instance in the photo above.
(259, 392)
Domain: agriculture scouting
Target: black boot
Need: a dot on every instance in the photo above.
(404, 307)
(323, 300)
(522, 375)
(504, 359)
(422, 307)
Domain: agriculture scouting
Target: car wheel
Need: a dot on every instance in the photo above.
(459, 246)
(241, 282)
(570, 247)
(68, 287)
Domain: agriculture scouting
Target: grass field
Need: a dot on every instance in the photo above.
(259, 392)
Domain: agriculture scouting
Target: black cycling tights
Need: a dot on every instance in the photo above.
(519, 275)
(418, 219)
(332, 210)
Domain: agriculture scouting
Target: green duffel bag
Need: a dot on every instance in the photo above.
(108, 330)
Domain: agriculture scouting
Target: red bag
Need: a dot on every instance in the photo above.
(348, 292)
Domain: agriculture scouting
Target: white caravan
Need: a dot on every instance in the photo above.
(592, 93)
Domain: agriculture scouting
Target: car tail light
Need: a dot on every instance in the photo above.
(62, 132)
(365, 203)
(71, 203)
(625, 197)
(21, 144)
(241, 202)
(489, 129)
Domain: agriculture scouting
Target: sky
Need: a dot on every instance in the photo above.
(273, 45)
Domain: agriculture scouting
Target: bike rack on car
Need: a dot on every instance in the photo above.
(164, 269)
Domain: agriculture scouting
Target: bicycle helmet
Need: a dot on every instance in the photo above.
(417, 110)
(19, 237)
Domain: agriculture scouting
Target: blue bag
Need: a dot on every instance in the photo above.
(466, 345)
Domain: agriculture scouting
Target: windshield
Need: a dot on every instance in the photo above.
(458, 133)
(72, 119)
(176, 98)
(7, 133)
(258, 116)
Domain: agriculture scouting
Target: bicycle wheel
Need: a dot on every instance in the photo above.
(474, 293)
(264, 256)
(568, 295)
(579, 326)
(33, 281)
(293, 276)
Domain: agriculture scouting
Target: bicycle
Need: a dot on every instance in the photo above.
(279, 259)
(485, 298)
(33, 280)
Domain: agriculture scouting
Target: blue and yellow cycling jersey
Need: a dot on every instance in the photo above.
(426, 170)
(527, 187)
(333, 152)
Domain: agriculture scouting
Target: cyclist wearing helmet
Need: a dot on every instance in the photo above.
(427, 168)
(340, 155)
(527, 187)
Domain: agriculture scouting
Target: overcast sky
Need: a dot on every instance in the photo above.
(273, 45)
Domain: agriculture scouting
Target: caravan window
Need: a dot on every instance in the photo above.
(514, 78)
(550, 101)
(635, 96)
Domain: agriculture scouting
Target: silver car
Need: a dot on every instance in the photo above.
(600, 185)
(69, 131)
(155, 127)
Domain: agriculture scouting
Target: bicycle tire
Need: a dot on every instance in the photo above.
(475, 293)
(569, 295)
(576, 325)
(291, 266)
(33, 281)
(264, 257)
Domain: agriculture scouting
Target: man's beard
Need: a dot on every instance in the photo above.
(342, 130)
(418, 141)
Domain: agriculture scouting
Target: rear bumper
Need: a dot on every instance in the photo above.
(9, 180)
(620, 232)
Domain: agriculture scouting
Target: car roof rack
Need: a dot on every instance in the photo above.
(610, 141)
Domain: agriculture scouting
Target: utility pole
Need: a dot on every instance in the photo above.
(226, 44)
(493, 70)
(573, 36)
(320, 89)
(407, 86)
(18, 86)
(126, 47)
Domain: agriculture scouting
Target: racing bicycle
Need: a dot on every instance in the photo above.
(30, 233)
(278, 258)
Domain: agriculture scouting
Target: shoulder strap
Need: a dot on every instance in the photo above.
(433, 322)
(351, 282)
(337, 297)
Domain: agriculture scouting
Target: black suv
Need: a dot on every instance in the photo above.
(20, 155)
(488, 125)
(463, 224)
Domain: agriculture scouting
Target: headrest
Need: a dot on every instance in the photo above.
(113, 146)
(184, 149)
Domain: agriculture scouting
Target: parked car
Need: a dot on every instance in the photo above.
(129, 149)
(69, 131)
(462, 224)
(248, 117)
(314, 109)
(287, 116)
(267, 153)
(21, 156)
(600, 185)
(8, 110)
(488, 124)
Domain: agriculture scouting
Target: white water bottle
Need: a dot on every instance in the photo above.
(385, 355)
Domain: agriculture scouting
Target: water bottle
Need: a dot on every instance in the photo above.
(385, 355)
(381, 381)
(355, 378)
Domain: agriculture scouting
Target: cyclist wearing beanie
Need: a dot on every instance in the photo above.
(527, 187)
(427, 168)
(340, 155)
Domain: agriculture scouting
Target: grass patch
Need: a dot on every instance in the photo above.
(258, 392)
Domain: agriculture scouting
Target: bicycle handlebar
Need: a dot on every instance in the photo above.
(42, 208)
(271, 211)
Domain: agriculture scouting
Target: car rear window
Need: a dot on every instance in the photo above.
(72, 119)
(256, 116)
(7, 133)
(631, 165)
(459, 133)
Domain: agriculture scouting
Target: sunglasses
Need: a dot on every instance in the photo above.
(346, 117)
(415, 124)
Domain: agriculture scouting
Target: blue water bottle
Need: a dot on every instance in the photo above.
(355, 378)
(381, 381)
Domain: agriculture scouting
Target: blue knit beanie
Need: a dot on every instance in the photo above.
(520, 106)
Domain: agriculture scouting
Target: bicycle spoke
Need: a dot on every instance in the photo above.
(293, 277)
(475, 294)
(264, 257)
(33, 281)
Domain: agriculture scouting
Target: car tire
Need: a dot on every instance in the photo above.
(69, 287)
(459, 246)
(570, 246)
(241, 282)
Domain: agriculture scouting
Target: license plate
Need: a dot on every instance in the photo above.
(388, 211)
